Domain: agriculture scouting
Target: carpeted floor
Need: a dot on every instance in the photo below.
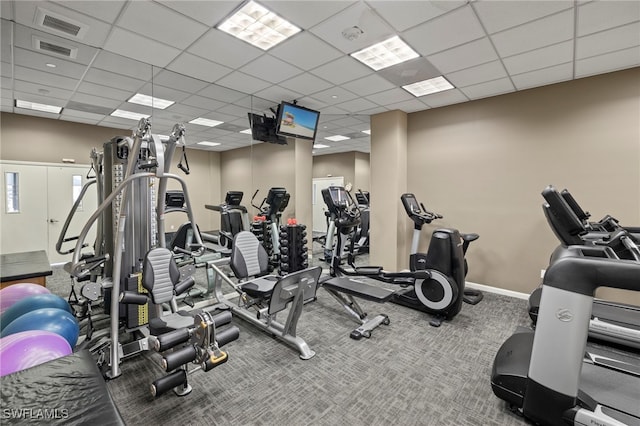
(407, 373)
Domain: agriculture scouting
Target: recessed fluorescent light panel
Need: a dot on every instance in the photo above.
(246, 131)
(320, 146)
(147, 100)
(427, 87)
(258, 26)
(207, 143)
(38, 107)
(206, 122)
(385, 54)
(367, 132)
(128, 114)
(337, 138)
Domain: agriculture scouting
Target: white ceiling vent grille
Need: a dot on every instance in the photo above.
(49, 46)
(59, 24)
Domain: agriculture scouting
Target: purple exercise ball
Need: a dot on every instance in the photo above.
(16, 292)
(30, 348)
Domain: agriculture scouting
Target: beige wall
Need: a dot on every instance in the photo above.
(333, 165)
(36, 139)
(483, 165)
(362, 173)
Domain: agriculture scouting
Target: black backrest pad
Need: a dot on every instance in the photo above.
(573, 204)
(159, 274)
(248, 256)
(286, 288)
(562, 216)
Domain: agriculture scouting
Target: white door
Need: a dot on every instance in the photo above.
(319, 207)
(64, 185)
(36, 199)
(24, 208)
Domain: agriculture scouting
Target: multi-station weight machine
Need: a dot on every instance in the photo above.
(131, 228)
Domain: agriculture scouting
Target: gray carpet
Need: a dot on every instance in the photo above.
(407, 373)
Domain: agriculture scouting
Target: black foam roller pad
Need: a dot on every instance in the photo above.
(167, 382)
(172, 360)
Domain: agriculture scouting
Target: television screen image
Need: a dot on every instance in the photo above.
(297, 121)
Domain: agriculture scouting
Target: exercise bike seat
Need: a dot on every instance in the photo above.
(467, 238)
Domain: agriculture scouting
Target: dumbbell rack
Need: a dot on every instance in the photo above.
(261, 228)
(293, 247)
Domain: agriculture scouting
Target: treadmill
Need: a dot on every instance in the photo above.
(611, 322)
(542, 374)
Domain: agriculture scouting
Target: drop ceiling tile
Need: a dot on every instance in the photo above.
(44, 78)
(199, 68)
(464, 56)
(479, 74)
(391, 96)
(543, 77)
(445, 32)
(207, 12)
(160, 23)
(533, 35)
(222, 94)
(306, 83)
(81, 114)
(6, 10)
(614, 61)
(278, 93)
(119, 123)
(6, 83)
(6, 70)
(186, 111)
(38, 61)
(40, 89)
(243, 82)
(202, 103)
(117, 81)
(412, 105)
(305, 51)
(224, 49)
(103, 91)
(254, 103)
(490, 88)
(540, 58)
(95, 100)
(25, 13)
(106, 11)
(35, 113)
(500, 15)
(350, 122)
(334, 96)
(368, 85)
(357, 105)
(83, 120)
(122, 65)
(179, 81)
(38, 98)
(128, 44)
(342, 70)
(271, 69)
(608, 41)
(306, 14)
(6, 33)
(603, 15)
(163, 92)
(407, 14)
(449, 97)
(230, 112)
(379, 110)
(374, 28)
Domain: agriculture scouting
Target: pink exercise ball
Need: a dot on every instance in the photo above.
(16, 292)
(27, 349)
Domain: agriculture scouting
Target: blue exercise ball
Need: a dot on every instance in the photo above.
(16, 292)
(32, 303)
(54, 320)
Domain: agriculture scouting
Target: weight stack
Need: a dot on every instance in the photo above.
(293, 247)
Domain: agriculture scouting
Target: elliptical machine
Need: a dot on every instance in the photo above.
(419, 261)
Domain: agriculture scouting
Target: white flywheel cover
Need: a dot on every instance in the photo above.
(447, 291)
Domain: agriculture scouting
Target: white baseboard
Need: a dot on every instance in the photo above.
(496, 290)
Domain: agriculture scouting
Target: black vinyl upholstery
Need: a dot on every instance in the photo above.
(250, 259)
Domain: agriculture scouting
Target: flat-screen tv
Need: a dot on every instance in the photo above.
(263, 129)
(296, 121)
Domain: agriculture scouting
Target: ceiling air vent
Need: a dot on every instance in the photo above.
(56, 48)
(59, 24)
